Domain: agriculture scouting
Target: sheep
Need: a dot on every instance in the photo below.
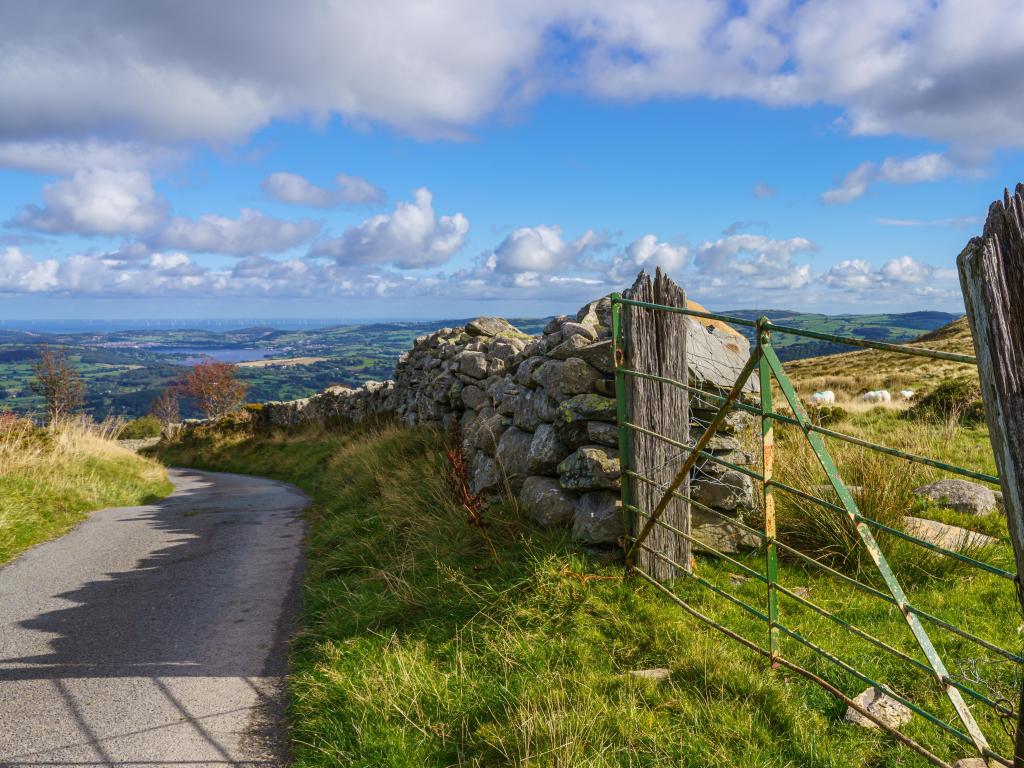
(907, 394)
(877, 396)
(823, 398)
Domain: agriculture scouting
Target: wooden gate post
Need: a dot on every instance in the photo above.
(992, 280)
(656, 344)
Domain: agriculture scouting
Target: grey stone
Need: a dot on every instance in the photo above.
(971, 762)
(884, 707)
(590, 468)
(961, 495)
(473, 364)
(658, 674)
(546, 502)
(524, 375)
(570, 329)
(490, 326)
(729, 491)
(484, 475)
(949, 536)
(719, 534)
(597, 518)
(513, 456)
(533, 408)
(597, 313)
(546, 451)
(587, 408)
(488, 431)
(473, 396)
(554, 325)
(578, 378)
(603, 433)
(599, 355)
(569, 348)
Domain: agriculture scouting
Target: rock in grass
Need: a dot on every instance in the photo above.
(949, 536)
(884, 707)
(658, 674)
(961, 495)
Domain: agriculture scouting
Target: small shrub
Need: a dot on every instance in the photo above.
(140, 428)
(955, 400)
(824, 415)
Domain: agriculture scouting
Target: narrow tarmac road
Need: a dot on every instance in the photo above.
(155, 635)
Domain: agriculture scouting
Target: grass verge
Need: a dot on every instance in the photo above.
(418, 649)
(50, 479)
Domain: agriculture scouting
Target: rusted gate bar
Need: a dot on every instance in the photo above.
(656, 343)
(992, 280)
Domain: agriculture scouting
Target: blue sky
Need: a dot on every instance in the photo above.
(170, 160)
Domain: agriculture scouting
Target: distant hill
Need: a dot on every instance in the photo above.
(893, 328)
(856, 371)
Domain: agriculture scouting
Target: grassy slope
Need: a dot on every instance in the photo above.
(418, 650)
(51, 481)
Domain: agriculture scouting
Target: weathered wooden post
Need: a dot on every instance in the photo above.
(992, 280)
(656, 344)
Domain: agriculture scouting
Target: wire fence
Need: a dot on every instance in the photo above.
(940, 639)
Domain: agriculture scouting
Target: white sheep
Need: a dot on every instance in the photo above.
(877, 396)
(823, 398)
(907, 394)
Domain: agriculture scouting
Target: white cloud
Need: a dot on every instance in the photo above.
(190, 71)
(763, 191)
(250, 233)
(350, 190)
(540, 249)
(19, 273)
(97, 201)
(756, 261)
(909, 170)
(412, 236)
(900, 273)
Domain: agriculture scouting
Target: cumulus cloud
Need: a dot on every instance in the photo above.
(192, 71)
(97, 201)
(756, 261)
(250, 233)
(909, 170)
(411, 236)
(530, 250)
(903, 273)
(297, 190)
(63, 158)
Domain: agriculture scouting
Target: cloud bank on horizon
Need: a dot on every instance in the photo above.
(113, 110)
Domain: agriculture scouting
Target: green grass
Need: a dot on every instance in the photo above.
(416, 649)
(51, 480)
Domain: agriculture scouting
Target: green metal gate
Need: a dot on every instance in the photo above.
(980, 713)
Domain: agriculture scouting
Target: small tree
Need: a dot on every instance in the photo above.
(215, 387)
(166, 407)
(58, 383)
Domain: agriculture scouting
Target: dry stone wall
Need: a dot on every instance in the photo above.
(537, 416)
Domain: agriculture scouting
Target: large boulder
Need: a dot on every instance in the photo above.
(546, 502)
(590, 468)
(484, 476)
(597, 518)
(598, 355)
(729, 490)
(569, 348)
(961, 495)
(949, 536)
(491, 326)
(566, 378)
(513, 456)
(546, 451)
(597, 314)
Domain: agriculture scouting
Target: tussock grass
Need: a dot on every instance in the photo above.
(417, 648)
(50, 479)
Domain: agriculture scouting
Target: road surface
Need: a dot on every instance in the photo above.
(155, 635)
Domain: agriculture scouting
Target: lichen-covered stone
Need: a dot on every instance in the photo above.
(546, 451)
(597, 518)
(490, 326)
(961, 495)
(729, 490)
(473, 364)
(588, 408)
(546, 502)
(484, 476)
(590, 468)
(598, 355)
(473, 397)
(570, 347)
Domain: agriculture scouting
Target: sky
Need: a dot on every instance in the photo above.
(442, 159)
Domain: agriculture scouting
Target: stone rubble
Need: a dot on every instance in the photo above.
(538, 417)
